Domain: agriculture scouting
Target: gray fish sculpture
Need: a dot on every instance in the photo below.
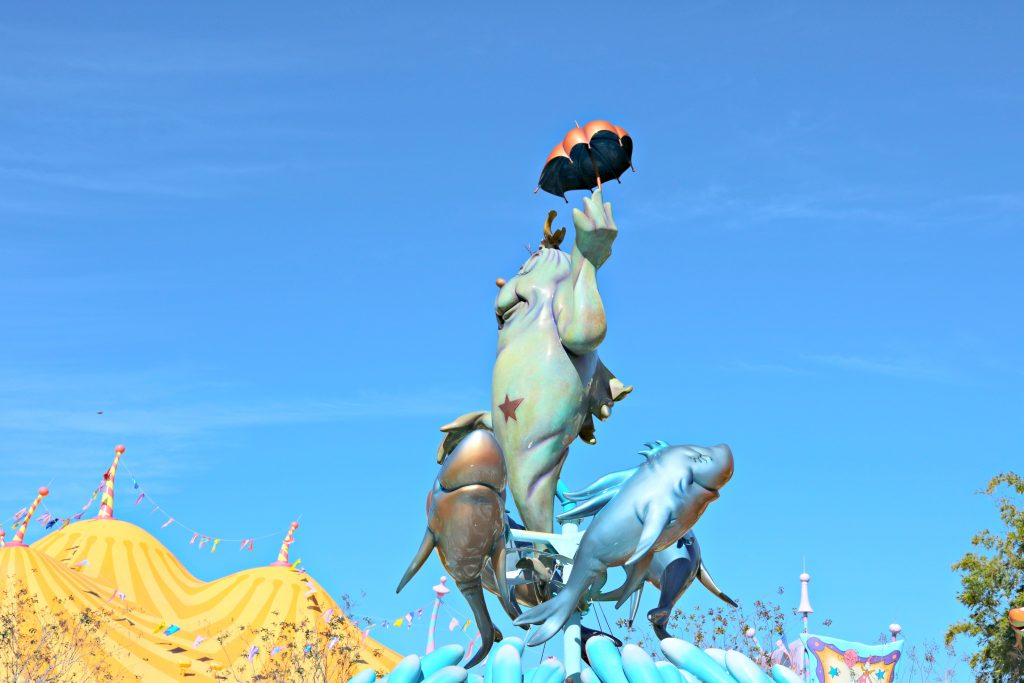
(466, 523)
(648, 510)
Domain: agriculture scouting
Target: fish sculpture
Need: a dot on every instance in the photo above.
(636, 513)
(672, 571)
(548, 382)
(466, 524)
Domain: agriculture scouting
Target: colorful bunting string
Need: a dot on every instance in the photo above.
(49, 521)
(197, 535)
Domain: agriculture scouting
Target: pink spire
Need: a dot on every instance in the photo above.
(441, 590)
(282, 557)
(19, 538)
(107, 502)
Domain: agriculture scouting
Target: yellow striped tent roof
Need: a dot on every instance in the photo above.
(92, 562)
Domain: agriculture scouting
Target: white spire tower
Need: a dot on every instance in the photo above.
(805, 601)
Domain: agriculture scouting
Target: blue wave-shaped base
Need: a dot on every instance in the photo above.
(686, 663)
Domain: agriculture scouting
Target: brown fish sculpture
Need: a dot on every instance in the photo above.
(466, 523)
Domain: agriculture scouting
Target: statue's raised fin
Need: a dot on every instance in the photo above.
(605, 391)
(457, 430)
(552, 240)
(652, 449)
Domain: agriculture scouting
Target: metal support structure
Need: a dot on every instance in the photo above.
(564, 545)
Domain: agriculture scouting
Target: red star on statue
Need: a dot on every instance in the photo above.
(508, 408)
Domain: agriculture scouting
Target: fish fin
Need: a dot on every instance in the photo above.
(473, 592)
(653, 449)
(608, 481)
(655, 519)
(635, 580)
(508, 603)
(456, 430)
(551, 614)
(426, 546)
(709, 583)
(589, 508)
(634, 605)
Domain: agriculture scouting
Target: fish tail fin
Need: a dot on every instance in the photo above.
(473, 592)
(457, 430)
(636, 574)
(709, 583)
(508, 601)
(551, 615)
(426, 546)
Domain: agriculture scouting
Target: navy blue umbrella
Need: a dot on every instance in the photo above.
(597, 152)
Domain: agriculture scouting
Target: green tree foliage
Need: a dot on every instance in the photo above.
(993, 582)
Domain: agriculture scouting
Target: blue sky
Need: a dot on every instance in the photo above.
(263, 243)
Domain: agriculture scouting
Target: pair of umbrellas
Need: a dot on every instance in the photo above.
(588, 155)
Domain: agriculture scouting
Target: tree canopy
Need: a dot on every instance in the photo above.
(992, 580)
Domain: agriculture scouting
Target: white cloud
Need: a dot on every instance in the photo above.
(909, 368)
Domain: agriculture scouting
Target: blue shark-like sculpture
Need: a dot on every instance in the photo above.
(636, 513)
(672, 569)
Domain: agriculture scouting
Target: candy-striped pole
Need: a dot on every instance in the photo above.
(19, 538)
(440, 590)
(107, 502)
(282, 556)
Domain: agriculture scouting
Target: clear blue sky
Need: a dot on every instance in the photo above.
(263, 242)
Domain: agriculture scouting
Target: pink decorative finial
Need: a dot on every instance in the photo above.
(3, 535)
(107, 502)
(441, 590)
(895, 630)
(282, 557)
(19, 537)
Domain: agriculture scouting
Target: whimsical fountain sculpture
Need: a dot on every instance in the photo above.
(547, 386)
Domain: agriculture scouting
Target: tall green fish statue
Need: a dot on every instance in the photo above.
(548, 382)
